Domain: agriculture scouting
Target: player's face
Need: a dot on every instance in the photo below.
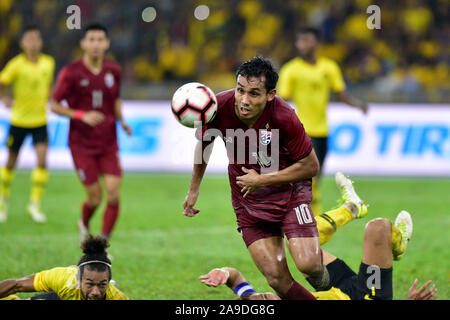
(94, 284)
(306, 44)
(251, 98)
(95, 43)
(31, 42)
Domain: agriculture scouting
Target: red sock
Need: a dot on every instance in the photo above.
(86, 213)
(298, 292)
(109, 218)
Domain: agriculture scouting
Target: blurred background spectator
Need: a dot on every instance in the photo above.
(407, 60)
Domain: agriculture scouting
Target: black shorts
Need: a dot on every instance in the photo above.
(371, 283)
(320, 145)
(18, 134)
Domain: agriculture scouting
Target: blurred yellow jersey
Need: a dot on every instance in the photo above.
(31, 88)
(332, 294)
(64, 282)
(308, 86)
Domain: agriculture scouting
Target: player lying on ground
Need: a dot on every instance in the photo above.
(383, 242)
(90, 279)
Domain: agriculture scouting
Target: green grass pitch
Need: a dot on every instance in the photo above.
(159, 254)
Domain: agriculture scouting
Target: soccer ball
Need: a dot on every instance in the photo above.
(194, 103)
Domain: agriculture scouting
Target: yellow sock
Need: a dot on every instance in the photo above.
(329, 222)
(398, 246)
(315, 203)
(6, 177)
(39, 178)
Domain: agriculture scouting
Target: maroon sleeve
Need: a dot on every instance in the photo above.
(63, 85)
(297, 142)
(118, 76)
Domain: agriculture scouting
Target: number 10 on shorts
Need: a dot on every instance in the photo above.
(303, 214)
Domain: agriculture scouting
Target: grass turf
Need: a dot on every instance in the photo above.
(159, 254)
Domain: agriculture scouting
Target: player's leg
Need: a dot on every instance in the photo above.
(87, 170)
(39, 175)
(270, 258)
(112, 173)
(111, 214)
(385, 241)
(307, 256)
(302, 235)
(320, 145)
(265, 244)
(89, 206)
(6, 178)
(375, 271)
(352, 208)
(14, 142)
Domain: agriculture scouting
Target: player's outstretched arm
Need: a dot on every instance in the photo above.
(225, 275)
(201, 158)
(345, 97)
(12, 286)
(236, 282)
(421, 293)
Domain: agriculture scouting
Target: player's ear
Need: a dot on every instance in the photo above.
(271, 95)
(82, 43)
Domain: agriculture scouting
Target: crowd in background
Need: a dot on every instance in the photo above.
(406, 60)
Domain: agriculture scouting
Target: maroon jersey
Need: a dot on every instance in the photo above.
(279, 125)
(86, 91)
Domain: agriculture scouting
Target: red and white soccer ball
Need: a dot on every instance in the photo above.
(193, 104)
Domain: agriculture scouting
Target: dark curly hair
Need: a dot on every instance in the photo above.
(95, 27)
(94, 249)
(257, 67)
(310, 30)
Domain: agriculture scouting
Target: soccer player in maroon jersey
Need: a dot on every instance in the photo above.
(91, 88)
(269, 200)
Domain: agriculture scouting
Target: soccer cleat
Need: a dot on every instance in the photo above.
(35, 213)
(3, 210)
(349, 195)
(83, 231)
(404, 224)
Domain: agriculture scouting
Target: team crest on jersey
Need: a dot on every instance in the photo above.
(109, 80)
(265, 136)
(84, 82)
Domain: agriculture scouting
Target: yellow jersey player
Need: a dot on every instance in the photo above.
(384, 242)
(307, 80)
(90, 279)
(30, 74)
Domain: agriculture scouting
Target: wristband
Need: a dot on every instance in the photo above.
(243, 288)
(78, 114)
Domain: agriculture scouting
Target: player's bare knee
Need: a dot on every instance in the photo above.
(310, 266)
(378, 231)
(112, 196)
(94, 199)
(279, 283)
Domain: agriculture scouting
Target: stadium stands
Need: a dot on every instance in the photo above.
(407, 60)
